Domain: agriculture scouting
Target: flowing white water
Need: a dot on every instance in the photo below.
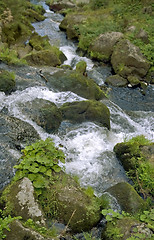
(88, 147)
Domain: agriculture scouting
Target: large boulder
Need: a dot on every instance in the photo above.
(19, 199)
(102, 47)
(7, 81)
(127, 60)
(127, 197)
(75, 82)
(86, 111)
(70, 24)
(67, 202)
(45, 113)
(51, 57)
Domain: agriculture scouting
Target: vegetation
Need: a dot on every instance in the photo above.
(39, 160)
(4, 223)
(115, 15)
(135, 162)
(115, 231)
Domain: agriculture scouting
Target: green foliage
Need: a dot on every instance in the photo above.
(142, 172)
(10, 57)
(39, 160)
(42, 230)
(115, 232)
(95, 4)
(4, 223)
(89, 191)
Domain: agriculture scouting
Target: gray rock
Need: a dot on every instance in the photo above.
(127, 197)
(128, 60)
(44, 113)
(102, 47)
(19, 232)
(116, 81)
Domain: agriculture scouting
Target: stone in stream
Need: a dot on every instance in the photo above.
(86, 111)
(7, 81)
(14, 135)
(67, 80)
(45, 113)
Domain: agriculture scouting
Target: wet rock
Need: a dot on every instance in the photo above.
(44, 113)
(103, 46)
(19, 232)
(128, 60)
(52, 57)
(86, 111)
(66, 80)
(69, 22)
(14, 135)
(133, 80)
(7, 81)
(116, 81)
(127, 197)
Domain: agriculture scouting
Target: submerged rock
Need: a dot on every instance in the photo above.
(127, 197)
(44, 113)
(86, 111)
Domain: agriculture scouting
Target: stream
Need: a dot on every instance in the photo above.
(88, 147)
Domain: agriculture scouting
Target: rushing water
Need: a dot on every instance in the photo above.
(88, 147)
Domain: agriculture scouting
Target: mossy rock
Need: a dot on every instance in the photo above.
(127, 60)
(45, 113)
(81, 67)
(7, 81)
(68, 203)
(72, 81)
(19, 232)
(133, 80)
(116, 81)
(86, 111)
(52, 57)
(127, 197)
(18, 199)
(102, 47)
(38, 42)
(71, 24)
(126, 228)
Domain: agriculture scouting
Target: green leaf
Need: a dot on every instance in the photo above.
(56, 168)
(108, 217)
(31, 176)
(49, 172)
(42, 169)
(40, 181)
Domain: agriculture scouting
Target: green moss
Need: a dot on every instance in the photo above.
(137, 164)
(7, 81)
(81, 67)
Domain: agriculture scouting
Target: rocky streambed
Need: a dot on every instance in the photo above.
(71, 108)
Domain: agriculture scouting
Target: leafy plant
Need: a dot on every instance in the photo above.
(39, 160)
(42, 230)
(4, 223)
